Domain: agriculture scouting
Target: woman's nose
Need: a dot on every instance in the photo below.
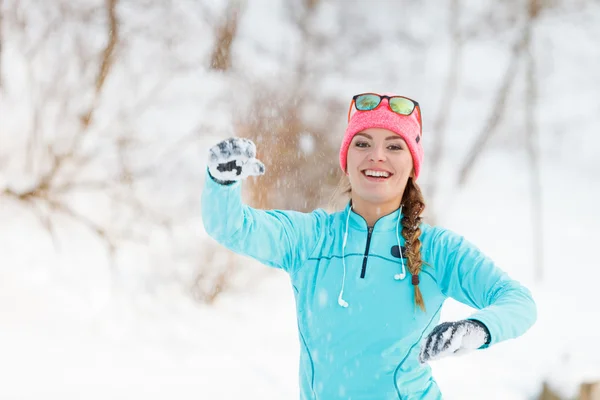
(378, 153)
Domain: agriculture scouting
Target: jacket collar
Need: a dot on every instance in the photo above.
(386, 223)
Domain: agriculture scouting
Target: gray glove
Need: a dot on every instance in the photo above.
(232, 160)
(453, 338)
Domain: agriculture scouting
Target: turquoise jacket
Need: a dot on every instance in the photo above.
(369, 349)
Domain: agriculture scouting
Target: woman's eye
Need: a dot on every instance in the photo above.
(363, 144)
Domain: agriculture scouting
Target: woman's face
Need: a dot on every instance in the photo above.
(379, 165)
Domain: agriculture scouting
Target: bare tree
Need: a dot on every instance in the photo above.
(288, 142)
(448, 96)
(81, 143)
(225, 34)
(211, 282)
(533, 11)
(49, 189)
(497, 112)
(523, 51)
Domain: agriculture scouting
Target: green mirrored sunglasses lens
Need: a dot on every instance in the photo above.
(367, 102)
(401, 105)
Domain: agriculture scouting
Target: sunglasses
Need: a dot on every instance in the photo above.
(398, 104)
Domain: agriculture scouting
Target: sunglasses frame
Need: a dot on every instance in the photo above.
(381, 97)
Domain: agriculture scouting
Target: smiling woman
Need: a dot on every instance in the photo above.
(365, 331)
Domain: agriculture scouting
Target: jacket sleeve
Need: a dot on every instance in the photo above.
(280, 239)
(467, 275)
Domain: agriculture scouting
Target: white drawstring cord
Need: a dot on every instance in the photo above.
(341, 301)
(401, 275)
(397, 277)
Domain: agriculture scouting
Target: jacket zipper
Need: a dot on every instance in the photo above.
(366, 256)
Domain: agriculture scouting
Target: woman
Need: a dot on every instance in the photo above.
(369, 281)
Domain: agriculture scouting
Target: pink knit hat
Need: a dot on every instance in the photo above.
(407, 127)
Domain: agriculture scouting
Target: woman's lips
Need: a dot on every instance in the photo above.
(372, 178)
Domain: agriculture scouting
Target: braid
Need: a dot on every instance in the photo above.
(413, 206)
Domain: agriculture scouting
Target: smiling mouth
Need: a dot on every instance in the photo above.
(376, 175)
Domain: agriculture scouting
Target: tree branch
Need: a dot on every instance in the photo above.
(532, 139)
(448, 95)
(91, 225)
(107, 60)
(497, 111)
(107, 57)
(226, 33)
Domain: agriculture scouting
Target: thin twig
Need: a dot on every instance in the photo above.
(102, 233)
(46, 221)
(108, 55)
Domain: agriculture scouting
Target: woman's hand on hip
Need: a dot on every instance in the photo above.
(453, 338)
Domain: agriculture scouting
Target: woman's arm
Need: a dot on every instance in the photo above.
(464, 273)
(281, 239)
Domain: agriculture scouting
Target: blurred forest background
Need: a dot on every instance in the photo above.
(108, 108)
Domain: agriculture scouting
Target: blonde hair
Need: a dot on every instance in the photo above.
(413, 205)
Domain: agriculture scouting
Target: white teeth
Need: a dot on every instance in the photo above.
(379, 174)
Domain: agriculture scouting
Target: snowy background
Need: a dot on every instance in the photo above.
(109, 287)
